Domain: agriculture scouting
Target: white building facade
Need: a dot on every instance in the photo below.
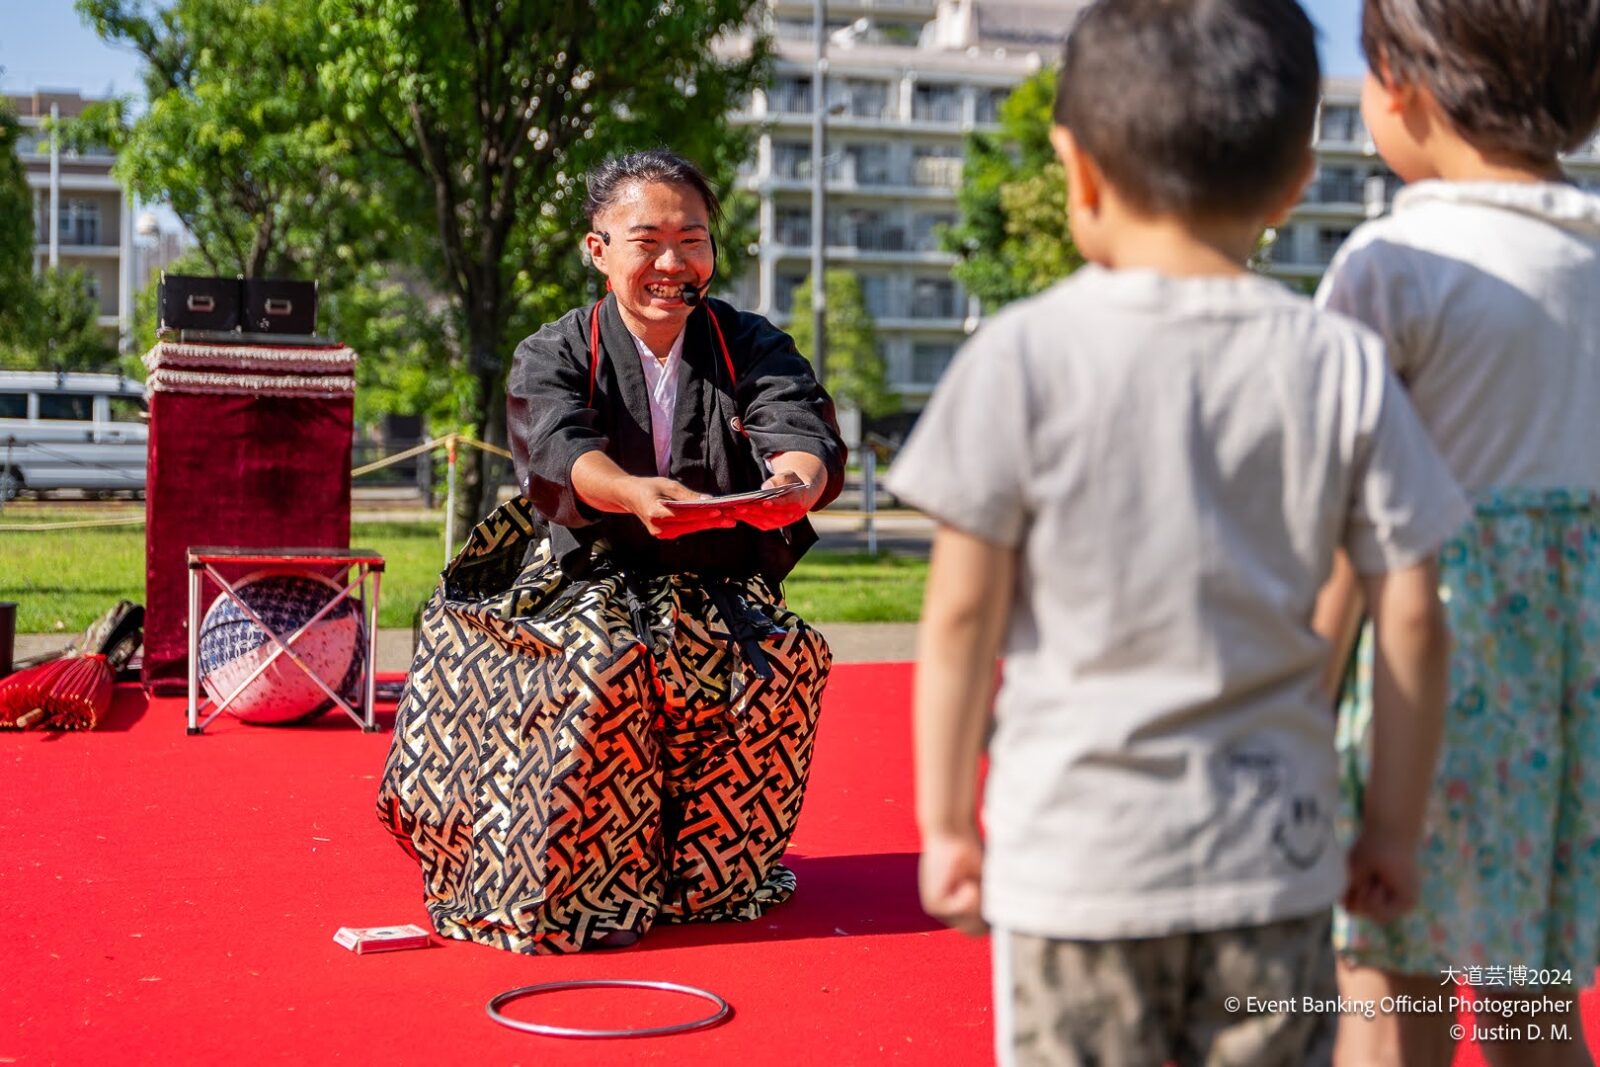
(82, 217)
(907, 80)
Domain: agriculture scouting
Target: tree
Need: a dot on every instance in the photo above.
(16, 228)
(237, 138)
(492, 112)
(1012, 237)
(855, 372)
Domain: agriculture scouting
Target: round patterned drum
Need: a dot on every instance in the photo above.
(232, 647)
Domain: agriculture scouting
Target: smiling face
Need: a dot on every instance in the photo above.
(660, 240)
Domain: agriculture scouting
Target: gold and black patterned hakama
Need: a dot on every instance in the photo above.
(558, 780)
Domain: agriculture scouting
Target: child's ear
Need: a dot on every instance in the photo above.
(1083, 177)
(1292, 192)
(1396, 95)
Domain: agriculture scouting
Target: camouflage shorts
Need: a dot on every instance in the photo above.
(1185, 998)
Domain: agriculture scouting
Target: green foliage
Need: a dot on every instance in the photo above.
(423, 161)
(494, 118)
(386, 313)
(852, 362)
(236, 136)
(490, 119)
(59, 328)
(1012, 237)
(16, 227)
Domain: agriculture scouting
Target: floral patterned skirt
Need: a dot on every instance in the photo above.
(1510, 857)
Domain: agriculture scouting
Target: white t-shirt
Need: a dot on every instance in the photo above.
(661, 380)
(1487, 295)
(1175, 461)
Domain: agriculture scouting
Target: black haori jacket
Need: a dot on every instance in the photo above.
(775, 404)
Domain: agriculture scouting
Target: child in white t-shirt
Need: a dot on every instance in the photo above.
(1485, 284)
(1141, 477)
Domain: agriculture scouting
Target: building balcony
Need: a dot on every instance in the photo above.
(849, 187)
(843, 8)
(81, 251)
(795, 249)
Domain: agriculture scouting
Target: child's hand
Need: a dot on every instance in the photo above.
(950, 879)
(1383, 877)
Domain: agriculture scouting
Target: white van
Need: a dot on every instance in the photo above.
(64, 430)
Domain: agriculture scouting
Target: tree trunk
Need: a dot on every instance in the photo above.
(477, 471)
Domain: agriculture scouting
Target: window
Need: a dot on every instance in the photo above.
(875, 294)
(794, 226)
(939, 167)
(128, 409)
(869, 230)
(790, 96)
(929, 359)
(1341, 123)
(791, 160)
(783, 291)
(1328, 242)
(13, 405)
(80, 222)
(926, 229)
(936, 103)
(861, 98)
(933, 298)
(73, 406)
(866, 164)
(1337, 185)
(989, 101)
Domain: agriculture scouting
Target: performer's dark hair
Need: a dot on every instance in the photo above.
(607, 181)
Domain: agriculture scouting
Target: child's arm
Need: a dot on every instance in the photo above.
(963, 621)
(1410, 678)
(1337, 620)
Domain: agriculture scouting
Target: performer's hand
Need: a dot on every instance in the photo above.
(783, 510)
(646, 496)
(1383, 879)
(950, 879)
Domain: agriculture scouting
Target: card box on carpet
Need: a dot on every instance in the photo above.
(363, 939)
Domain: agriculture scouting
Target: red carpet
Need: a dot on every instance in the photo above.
(175, 898)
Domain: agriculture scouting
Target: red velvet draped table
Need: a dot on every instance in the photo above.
(249, 448)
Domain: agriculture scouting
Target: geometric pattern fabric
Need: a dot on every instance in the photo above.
(556, 779)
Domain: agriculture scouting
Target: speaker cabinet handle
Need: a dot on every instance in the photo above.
(197, 302)
(276, 306)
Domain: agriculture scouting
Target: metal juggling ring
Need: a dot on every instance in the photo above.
(502, 999)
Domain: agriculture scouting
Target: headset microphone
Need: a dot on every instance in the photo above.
(692, 294)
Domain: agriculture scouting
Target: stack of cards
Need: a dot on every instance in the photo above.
(365, 939)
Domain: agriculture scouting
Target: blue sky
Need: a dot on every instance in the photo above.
(43, 44)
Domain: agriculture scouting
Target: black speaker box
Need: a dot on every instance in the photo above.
(272, 305)
(190, 302)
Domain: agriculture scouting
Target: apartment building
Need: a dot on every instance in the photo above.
(82, 217)
(1352, 184)
(907, 80)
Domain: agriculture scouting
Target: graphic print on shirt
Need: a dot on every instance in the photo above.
(1256, 796)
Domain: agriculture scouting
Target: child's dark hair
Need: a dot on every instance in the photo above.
(1520, 77)
(1202, 108)
(606, 182)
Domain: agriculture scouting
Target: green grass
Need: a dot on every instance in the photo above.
(856, 587)
(62, 580)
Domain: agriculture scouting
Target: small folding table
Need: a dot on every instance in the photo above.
(362, 588)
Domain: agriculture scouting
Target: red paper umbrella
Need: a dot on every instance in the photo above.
(63, 694)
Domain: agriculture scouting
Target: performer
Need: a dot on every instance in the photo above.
(621, 734)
